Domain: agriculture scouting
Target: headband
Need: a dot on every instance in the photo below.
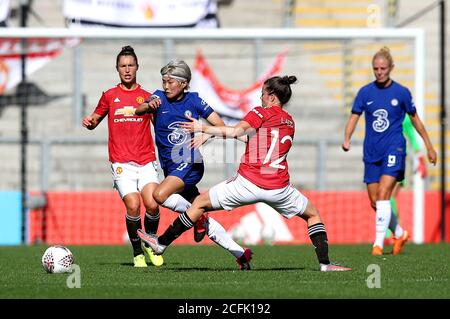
(179, 78)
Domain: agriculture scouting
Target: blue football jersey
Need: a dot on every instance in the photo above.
(172, 141)
(384, 110)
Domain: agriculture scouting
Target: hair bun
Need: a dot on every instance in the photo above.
(292, 79)
(127, 48)
(288, 79)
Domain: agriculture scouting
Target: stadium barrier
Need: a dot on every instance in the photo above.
(10, 219)
(98, 218)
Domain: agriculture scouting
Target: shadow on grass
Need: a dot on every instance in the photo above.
(174, 267)
(180, 269)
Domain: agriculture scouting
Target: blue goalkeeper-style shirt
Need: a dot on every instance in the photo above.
(172, 141)
(385, 110)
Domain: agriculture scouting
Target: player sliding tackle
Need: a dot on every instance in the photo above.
(262, 176)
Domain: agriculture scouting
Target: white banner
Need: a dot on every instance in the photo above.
(227, 102)
(4, 10)
(140, 13)
(39, 53)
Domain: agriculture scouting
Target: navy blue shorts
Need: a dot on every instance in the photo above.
(190, 173)
(392, 165)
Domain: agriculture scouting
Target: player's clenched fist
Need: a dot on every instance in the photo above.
(346, 146)
(88, 122)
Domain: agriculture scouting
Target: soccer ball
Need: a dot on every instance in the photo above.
(57, 259)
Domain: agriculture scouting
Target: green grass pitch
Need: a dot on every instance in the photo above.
(205, 271)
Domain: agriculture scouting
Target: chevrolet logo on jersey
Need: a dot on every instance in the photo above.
(125, 111)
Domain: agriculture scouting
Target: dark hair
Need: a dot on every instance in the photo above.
(126, 50)
(281, 87)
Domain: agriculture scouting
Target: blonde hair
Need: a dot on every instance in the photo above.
(177, 69)
(384, 53)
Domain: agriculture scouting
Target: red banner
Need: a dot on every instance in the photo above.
(38, 52)
(225, 101)
(98, 218)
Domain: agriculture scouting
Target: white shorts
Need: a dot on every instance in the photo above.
(239, 191)
(131, 178)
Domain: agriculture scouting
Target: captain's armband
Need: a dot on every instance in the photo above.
(151, 98)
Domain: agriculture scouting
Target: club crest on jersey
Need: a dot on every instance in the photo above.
(187, 114)
(178, 135)
(140, 99)
(119, 170)
(394, 102)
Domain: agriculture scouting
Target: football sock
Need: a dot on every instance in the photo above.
(390, 230)
(151, 223)
(398, 231)
(394, 226)
(383, 218)
(319, 239)
(133, 224)
(177, 203)
(179, 226)
(218, 234)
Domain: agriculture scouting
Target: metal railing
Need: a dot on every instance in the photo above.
(45, 145)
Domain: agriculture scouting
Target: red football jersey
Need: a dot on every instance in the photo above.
(130, 138)
(264, 162)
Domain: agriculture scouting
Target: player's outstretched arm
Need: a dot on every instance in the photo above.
(349, 129)
(240, 129)
(420, 128)
(216, 120)
(199, 140)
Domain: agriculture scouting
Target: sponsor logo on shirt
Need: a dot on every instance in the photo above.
(128, 119)
(178, 135)
(116, 100)
(394, 102)
(128, 113)
(125, 111)
(287, 122)
(381, 123)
